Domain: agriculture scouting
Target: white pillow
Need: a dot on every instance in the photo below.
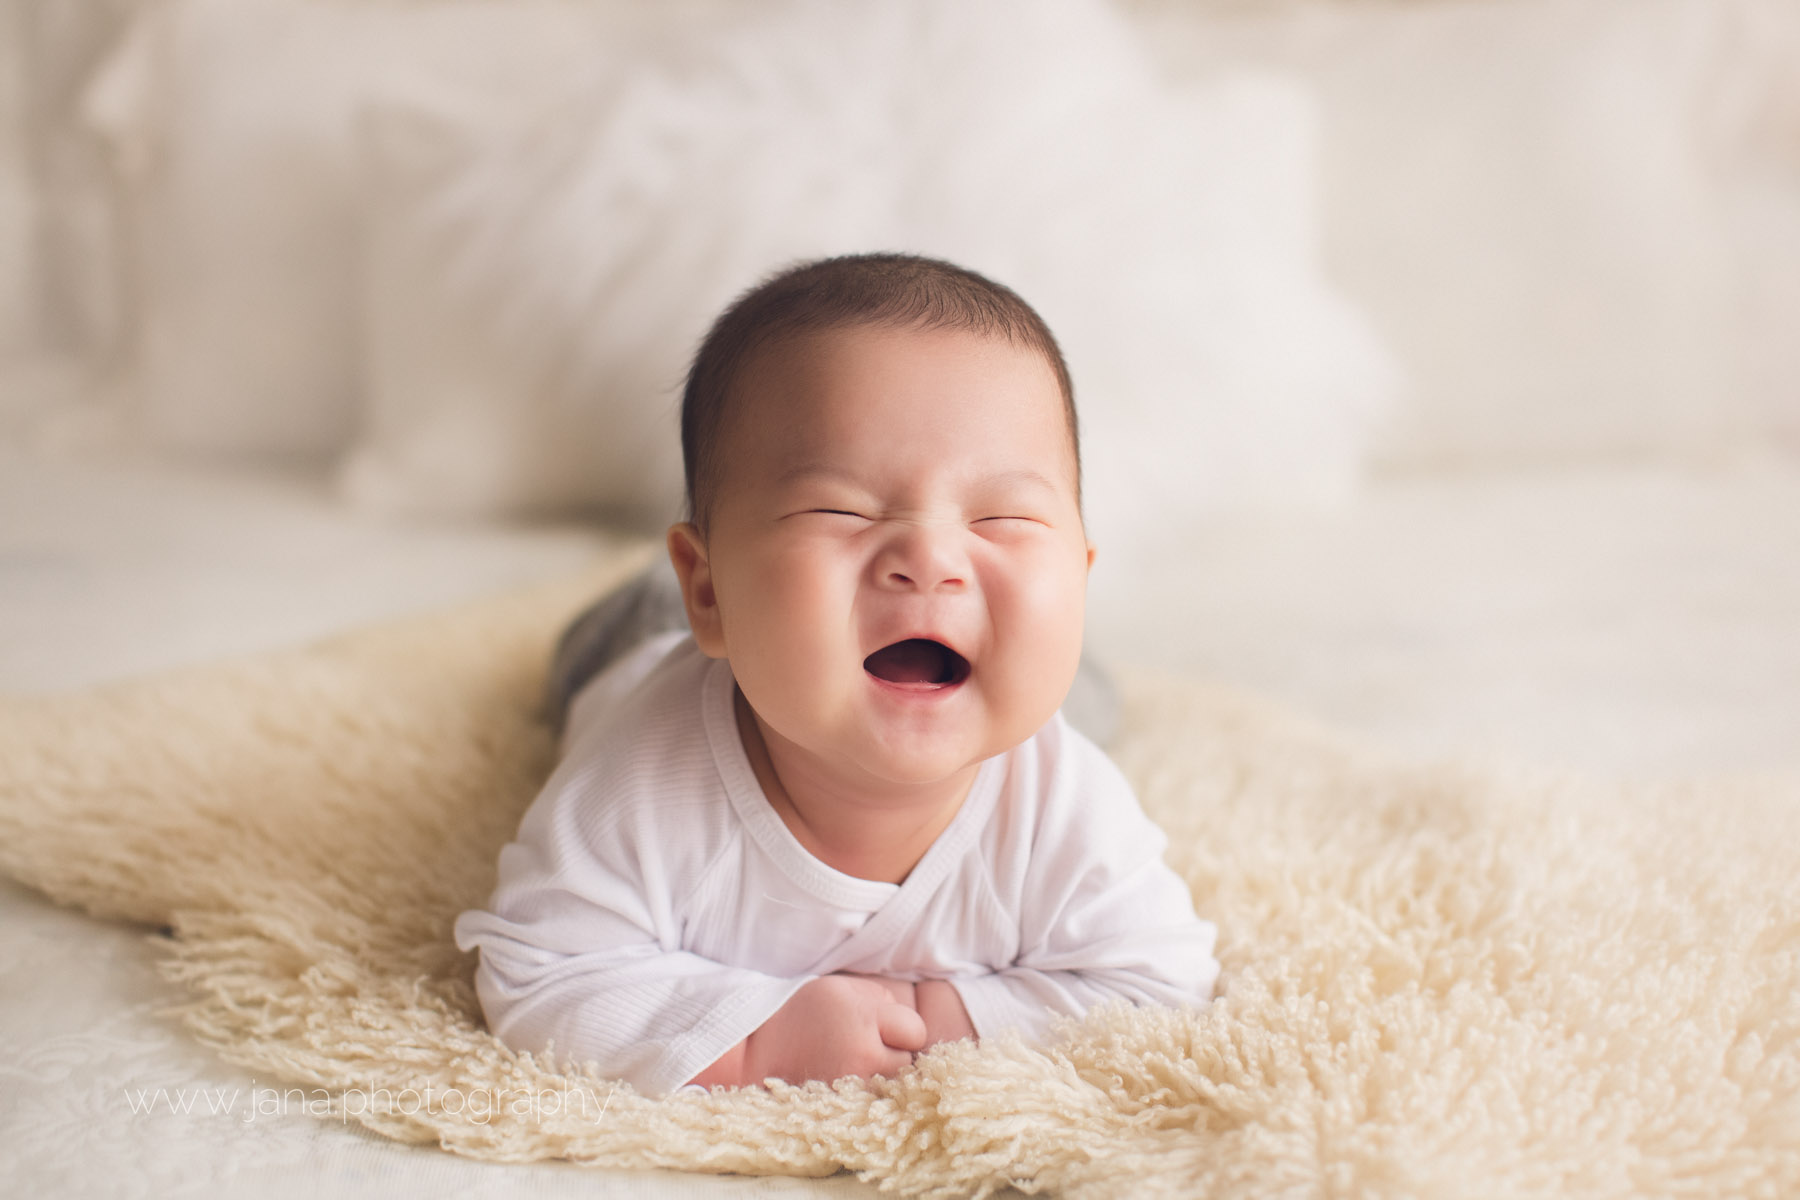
(534, 293)
(231, 123)
(1523, 197)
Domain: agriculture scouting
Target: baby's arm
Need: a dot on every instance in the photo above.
(1136, 940)
(636, 1021)
(579, 951)
(1100, 916)
(614, 997)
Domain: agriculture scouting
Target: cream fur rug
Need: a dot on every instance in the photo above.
(1438, 981)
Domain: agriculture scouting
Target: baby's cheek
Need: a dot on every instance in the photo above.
(1024, 696)
(1048, 604)
(810, 580)
(1052, 652)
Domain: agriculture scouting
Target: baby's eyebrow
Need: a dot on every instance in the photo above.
(810, 471)
(1021, 476)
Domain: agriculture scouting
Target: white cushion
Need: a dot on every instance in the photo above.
(1537, 203)
(231, 121)
(535, 289)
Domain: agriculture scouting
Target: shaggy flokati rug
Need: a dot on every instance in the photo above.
(1437, 982)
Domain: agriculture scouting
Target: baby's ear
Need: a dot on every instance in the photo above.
(687, 551)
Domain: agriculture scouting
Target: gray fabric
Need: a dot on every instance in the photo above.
(651, 604)
(648, 605)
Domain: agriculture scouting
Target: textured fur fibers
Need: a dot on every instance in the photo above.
(1439, 981)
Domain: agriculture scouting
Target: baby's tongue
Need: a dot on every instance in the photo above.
(912, 661)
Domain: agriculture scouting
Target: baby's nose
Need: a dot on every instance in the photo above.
(925, 559)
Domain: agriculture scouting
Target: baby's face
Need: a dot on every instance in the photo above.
(896, 553)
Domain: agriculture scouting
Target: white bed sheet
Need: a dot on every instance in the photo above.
(1620, 619)
(1628, 619)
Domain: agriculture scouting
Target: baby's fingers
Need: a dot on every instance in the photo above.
(900, 1027)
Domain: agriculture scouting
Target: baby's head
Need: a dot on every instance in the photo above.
(894, 291)
(885, 534)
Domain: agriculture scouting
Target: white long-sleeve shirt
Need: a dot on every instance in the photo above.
(654, 910)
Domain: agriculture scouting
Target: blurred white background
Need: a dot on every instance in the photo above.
(1437, 363)
(1435, 358)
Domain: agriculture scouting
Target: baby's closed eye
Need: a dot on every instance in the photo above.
(1008, 526)
(832, 517)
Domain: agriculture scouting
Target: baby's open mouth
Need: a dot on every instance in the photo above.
(918, 661)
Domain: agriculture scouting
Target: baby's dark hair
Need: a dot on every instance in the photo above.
(897, 290)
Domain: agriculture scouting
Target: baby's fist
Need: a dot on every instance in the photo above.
(835, 1026)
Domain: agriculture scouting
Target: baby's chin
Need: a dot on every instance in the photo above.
(925, 759)
(872, 749)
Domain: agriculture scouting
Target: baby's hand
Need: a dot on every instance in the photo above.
(834, 1026)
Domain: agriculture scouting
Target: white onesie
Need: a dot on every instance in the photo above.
(654, 910)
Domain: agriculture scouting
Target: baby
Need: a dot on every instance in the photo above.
(842, 820)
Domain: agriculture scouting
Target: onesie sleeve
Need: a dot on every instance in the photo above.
(1100, 916)
(581, 943)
